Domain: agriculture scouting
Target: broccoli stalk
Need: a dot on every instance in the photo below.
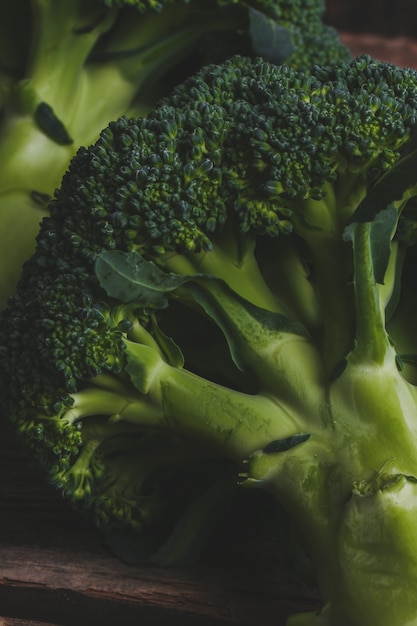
(351, 497)
(220, 300)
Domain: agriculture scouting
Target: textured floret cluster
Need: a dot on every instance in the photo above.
(243, 142)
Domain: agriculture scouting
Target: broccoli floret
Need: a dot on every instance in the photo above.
(314, 42)
(220, 291)
(68, 68)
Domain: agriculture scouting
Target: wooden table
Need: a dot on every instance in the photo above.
(55, 570)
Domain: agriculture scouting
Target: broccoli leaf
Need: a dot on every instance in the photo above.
(270, 40)
(131, 279)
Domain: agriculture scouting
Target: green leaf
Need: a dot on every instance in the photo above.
(129, 278)
(391, 186)
(270, 40)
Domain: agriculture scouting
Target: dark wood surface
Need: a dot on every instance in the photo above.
(55, 570)
(399, 50)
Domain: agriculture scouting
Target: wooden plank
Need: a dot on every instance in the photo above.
(68, 588)
(10, 621)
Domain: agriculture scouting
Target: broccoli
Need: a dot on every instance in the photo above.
(68, 68)
(223, 297)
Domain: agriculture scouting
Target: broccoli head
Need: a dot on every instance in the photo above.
(223, 293)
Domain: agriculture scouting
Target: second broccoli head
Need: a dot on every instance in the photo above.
(191, 296)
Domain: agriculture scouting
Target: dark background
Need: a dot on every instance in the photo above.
(385, 17)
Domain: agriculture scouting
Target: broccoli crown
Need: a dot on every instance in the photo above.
(242, 143)
(241, 150)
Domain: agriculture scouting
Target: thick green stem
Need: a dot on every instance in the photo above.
(335, 297)
(230, 421)
(376, 578)
(240, 270)
(292, 285)
(277, 353)
(320, 224)
(275, 350)
(162, 397)
(115, 402)
(233, 422)
(371, 338)
(350, 491)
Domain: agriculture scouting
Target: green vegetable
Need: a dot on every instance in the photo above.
(224, 297)
(68, 68)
